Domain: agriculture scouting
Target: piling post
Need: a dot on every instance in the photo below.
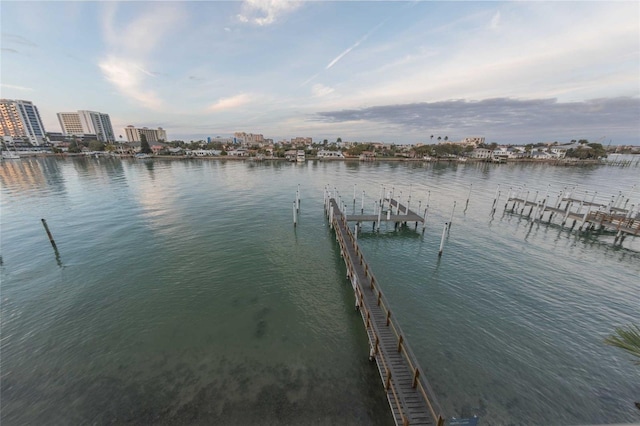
(535, 199)
(295, 215)
(355, 233)
(452, 210)
(362, 204)
(508, 198)
(379, 214)
(331, 216)
(494, 203)
(398, 203)
(469, 196)
(524, 204)
(354, 193)
(51, 240)
(444, 231)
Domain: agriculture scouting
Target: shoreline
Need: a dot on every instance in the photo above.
(557, 162)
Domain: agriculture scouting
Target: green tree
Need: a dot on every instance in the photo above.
(73, 146)
(339, 140)
(96, 146)
(144, 145)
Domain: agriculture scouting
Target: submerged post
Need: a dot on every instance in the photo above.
(444, 231)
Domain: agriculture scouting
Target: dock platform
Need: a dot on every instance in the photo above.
(410, 397)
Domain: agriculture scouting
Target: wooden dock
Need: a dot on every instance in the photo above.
(591, 215)
(410, 397)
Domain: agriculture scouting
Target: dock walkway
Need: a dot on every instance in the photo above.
(410, 397)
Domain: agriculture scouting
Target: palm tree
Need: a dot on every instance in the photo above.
(439, 138)
(446, 138)
(627, 339)
(431, 138)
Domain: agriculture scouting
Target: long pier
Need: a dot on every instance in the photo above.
(410, 397)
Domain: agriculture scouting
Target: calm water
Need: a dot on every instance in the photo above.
(183, 295)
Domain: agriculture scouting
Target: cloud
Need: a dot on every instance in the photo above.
(320, 90)
(21, 88)
(8, 50)
(265, 12)
(17, 39)
(232, 102)
(495, 21)
(130, 45)
(128, 77)
(356, 44)
(512, 120)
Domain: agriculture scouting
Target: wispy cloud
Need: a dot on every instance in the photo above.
(356, 44)
(130, 46)
(21, 88)
(319, 90)
(8, 50)
(230, 103)
(17, 39)
(495, 21)
(265, 12)
(128, 78)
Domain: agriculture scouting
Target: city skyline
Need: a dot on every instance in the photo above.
(513, 72)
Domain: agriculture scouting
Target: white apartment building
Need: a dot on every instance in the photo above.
(87, 122)
(152, 135)
(20, 119)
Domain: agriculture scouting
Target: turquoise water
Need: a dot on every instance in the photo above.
(183, 295)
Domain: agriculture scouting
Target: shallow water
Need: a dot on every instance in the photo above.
(183, 295)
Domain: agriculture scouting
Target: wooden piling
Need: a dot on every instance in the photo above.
(444, 231)
(51, 240)
(295, 215)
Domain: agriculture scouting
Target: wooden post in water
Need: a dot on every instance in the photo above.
(452, 210)
(524, 204)
(354, 193)
(379, 216)
(295, 215)
(494, 203)
(508, 196)
(362, 204)
(469, 196)
(355, 233)
(51, 240)
(331, 216)
(535, 199)
(444, 231)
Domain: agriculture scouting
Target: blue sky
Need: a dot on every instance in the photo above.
(513, 72)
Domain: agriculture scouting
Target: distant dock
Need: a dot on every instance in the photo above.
(616, 216)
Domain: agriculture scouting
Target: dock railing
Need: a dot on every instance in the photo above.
(419, 379)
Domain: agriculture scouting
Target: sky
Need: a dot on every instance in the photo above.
(384, 71)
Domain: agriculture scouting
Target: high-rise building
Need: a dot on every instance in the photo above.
(152, 135)
(87, 122)
(21, 119)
